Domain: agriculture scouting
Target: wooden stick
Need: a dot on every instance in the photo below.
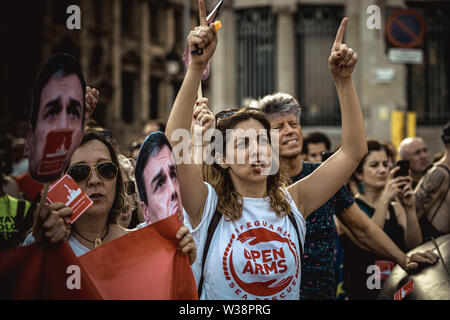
(200, 92)
(44, 194)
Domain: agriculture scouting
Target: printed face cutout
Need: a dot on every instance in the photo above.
(157, 179)
(56, 125)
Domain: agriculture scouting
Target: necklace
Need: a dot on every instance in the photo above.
(97, 242)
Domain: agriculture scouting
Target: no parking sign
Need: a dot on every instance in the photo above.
(405, 32)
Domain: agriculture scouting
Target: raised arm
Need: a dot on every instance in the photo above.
(319, 186)
(193, 191)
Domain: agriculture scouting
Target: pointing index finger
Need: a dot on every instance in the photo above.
(202, 13)
(340, 34)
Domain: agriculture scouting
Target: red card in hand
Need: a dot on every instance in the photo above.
(67, 191)
(404, 291)
(385, 268)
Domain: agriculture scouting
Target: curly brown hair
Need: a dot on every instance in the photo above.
(230, 202)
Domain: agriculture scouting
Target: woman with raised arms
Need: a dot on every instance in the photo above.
(255, 250)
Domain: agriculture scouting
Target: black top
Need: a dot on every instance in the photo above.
(357, 260)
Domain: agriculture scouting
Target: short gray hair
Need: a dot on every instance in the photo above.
(279, 103)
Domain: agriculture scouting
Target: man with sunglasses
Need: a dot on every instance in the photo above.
(157, 179)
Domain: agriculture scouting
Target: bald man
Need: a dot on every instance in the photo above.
(416, 151)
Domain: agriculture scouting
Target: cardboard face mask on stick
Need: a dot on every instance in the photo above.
(57, 117)
(157, 179)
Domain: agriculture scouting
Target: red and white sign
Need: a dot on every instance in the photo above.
(67, 191)
(257, 262)
(404, 291)
(56, 150)
(386, 268)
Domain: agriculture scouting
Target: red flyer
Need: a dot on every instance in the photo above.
(404, 291)
(67, 191)
(386, 268)
(56, 149)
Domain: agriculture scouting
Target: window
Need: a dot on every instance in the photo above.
(127, 17)
(256, 53)
(158, 22)
(154, 97)
(128, 87)
(429, 83)
(179, 25)
(315, 30)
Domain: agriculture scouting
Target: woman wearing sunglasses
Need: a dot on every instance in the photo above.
(95, 167)
(256, 248)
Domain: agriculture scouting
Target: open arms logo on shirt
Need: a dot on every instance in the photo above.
(261, 262)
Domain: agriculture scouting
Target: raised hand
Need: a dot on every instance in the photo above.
(91, 99)
(202, 119)
(342, 59)
(406, 195)
(202, 40)
(186, 244)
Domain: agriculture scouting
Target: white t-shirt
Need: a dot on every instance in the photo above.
(77, 247)
(255, 257)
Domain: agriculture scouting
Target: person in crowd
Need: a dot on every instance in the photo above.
(131, 214)
(152, 126)
(134, 147)
(314, 144)
(258, 220)
(416, 151)
(19, 161)
(157, 179)
(9, 185)
(15, 219)
(318, 281)
(433, 196)
(95, 167)
(390, 203)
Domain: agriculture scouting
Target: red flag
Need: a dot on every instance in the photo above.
(39, 272)
(144, 264)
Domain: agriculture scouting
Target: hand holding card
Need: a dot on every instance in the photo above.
(67, 191)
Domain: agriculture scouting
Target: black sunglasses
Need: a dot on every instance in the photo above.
(82, 172)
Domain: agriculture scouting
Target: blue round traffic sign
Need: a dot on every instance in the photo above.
(405, 28)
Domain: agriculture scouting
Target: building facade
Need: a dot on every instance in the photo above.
(131, 50)
(284, 45)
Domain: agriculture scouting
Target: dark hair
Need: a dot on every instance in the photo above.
(119, 197)
(372, 145)
(154, 142)
(446, 134)
(280, 102)
(58, 65)
(316, 137)
(159, 122)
